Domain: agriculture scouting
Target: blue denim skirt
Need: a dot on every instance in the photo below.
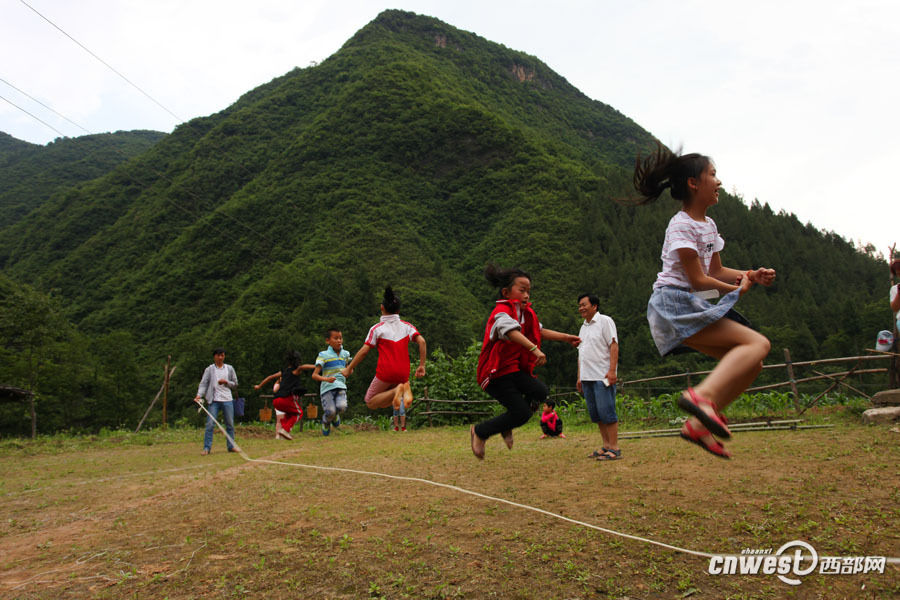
(676, 314)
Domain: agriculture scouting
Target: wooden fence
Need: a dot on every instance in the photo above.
(308, 414)
(434, 406)
(426, 406)
(792, 381)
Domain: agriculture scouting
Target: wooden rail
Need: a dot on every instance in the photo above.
(809, 363)
(836, 378)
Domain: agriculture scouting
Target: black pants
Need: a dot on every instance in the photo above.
(552, 432)
(521, 394)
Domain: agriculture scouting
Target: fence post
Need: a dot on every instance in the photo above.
(166, 392)
(894, 364)
(790, 372)
(428, 405)
(688, 377)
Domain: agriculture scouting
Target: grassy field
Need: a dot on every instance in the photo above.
(121, 516)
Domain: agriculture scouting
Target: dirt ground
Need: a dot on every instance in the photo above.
(159, 520)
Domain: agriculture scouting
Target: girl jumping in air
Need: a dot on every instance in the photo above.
(391, 336)
(511, 351)
(678, 311)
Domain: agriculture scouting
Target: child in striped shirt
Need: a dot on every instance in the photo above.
(333, 391)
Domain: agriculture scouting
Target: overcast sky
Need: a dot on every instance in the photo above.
(796, 101)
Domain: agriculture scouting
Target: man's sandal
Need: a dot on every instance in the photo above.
(612, 455)
(598, 453)
(695, 436)
(712, 421)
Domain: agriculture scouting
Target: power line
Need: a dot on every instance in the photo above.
(160, 174)
(45, 106)
(161, 105)
(32, 116)
(108, 66)
(179, 119)
(146, 186)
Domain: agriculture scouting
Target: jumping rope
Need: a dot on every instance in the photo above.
(476, 494)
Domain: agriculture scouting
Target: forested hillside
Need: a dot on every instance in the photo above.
(412, 156)
(30, 174)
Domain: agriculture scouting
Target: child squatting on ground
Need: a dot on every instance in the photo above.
(391, 336)
(679, 313)
(333, 391)
(287, 395)
(551, 423)
(511, 351)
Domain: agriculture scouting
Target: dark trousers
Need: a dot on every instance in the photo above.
(521, 394)
(552, 432)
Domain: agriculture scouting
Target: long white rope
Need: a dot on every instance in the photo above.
(476, 494)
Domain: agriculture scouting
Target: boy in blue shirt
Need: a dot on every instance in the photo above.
(334, 386)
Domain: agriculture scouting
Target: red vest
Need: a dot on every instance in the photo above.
(502, 357)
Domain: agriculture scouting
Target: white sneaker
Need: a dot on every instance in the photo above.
(281, 432)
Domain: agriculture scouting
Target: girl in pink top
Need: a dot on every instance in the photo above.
(679, 312)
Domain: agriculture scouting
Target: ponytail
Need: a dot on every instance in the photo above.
(665, 169)
(391, 301)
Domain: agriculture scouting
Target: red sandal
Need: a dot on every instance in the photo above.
(714, 422)
(695, 436)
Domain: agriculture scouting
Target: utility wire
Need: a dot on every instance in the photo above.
(146, 186)
(108, 66)
(162, 106)
(143, 184)
(207, 139)
(32, 116)
(27, 95)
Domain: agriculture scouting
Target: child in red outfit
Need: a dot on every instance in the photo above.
(287, 406)
(551, 423)
(391, 336)
(511, 351)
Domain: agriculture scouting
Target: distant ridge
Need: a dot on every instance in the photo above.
(412, 156)
(31, 173)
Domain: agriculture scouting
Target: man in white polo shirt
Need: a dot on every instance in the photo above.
(598, 359)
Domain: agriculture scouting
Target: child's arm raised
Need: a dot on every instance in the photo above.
(267, 380)
(556, 336)
(303, 367)
(423, 354)
(346, 371)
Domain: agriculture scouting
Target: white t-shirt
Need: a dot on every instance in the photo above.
(685, 232)
(597, 335)
(223, 393)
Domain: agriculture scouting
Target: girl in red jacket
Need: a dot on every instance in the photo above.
(511, 351)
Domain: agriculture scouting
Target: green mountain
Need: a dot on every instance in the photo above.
(30, 174)
(413, 156)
